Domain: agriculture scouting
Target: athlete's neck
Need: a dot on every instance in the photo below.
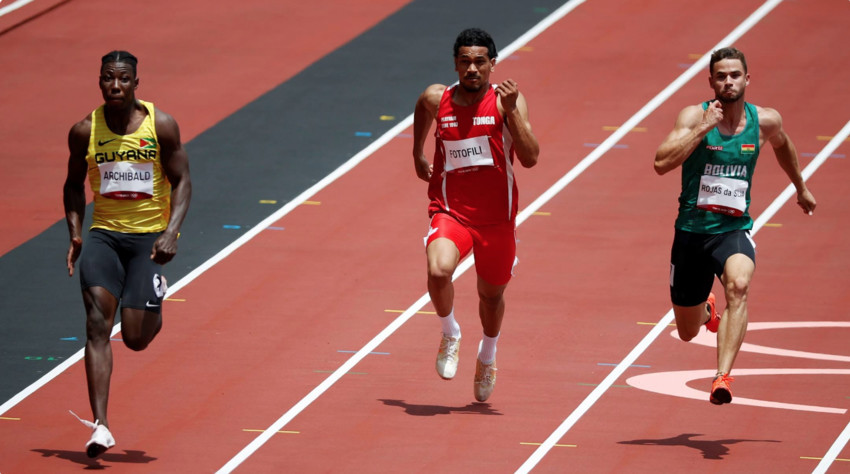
(734, 118)
(124, 120)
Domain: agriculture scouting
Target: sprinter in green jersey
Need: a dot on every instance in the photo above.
(717, 144)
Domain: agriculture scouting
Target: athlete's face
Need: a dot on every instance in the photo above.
(729, 80)
(118, 83)
(473, 67)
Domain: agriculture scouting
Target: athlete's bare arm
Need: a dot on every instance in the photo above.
(770, 123)
(423, 116)
(175, 164)
(74, 190)
(513, 106)
(691, 126)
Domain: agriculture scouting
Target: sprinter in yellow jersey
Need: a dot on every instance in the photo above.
(139, 174)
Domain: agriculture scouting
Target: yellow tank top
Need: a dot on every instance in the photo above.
(131, 193)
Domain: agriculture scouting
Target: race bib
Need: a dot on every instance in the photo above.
(126, 180)
(723, 195)
(467, 153)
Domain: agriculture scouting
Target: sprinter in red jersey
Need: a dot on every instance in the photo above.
(473, 193)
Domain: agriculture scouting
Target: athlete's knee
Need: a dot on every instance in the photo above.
(136, 343)
(737, 288)
(98, 327)
(139, 328)
(685, 325)
(440, 270)
(443, 257)
(135, 337)
(686, 334)
(100, 313)
(97, 330)
(491, 295)
(492, 301)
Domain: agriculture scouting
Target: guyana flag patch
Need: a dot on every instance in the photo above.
(748, 149)
(150, 143)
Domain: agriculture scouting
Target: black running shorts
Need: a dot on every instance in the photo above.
(697, 258)
(121, 263)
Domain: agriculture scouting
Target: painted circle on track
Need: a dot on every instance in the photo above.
(706, 338)
(675, 383)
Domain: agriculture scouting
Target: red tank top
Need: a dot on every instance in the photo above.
(473, 178)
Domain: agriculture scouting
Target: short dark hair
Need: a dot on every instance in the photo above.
(726, 53)
(120, 57)
(475, 37)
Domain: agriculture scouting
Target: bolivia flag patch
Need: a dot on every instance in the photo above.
(748, 149)
(151, 143)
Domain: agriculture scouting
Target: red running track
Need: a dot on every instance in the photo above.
(188, 72)
(593, 267)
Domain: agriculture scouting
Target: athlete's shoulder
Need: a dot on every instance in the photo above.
(163, 119)
(767, 113)
(436, 89)
(434, 92)
(83, 127)
(165, 123)
(690, 116)
(430, 98)
(769, 119)
(79, 136)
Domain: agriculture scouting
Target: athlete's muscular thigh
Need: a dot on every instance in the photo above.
(448, 241)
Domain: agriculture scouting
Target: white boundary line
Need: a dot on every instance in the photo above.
(14, 6)
(844, 437)
(280, 213)
(833, 452)
(656, 101)
(630, 359)
(407, 314)
(528, 211)
(768, 213)
(647, 109)
(222, 254)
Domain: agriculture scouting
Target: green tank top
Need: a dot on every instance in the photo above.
(716, 180)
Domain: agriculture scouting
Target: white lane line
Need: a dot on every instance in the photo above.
(844, 437)
(630, 359)
(222, 254)
(597, 393)
(280, 213)
(647, 109)
(407, 314)
(14, 6)
(833, 452)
